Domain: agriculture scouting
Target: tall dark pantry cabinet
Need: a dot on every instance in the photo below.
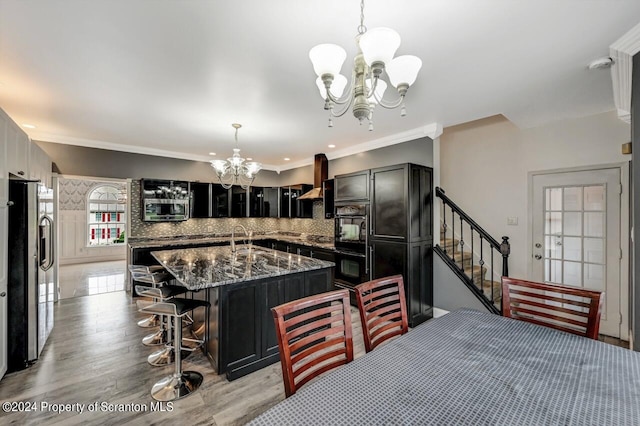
(401, 234)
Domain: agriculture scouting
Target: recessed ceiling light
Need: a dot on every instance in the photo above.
(332, 146)
(28, 126)
(287, 158)
(212, 153)
(249, 159)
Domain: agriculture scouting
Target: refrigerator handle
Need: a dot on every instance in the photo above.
(50, 248)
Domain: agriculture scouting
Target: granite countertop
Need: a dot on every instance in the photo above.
(207, 267)
(302, 239)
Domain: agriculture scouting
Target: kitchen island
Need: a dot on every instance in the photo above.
(242, 287)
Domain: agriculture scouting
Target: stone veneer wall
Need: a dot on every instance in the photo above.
(316, 226)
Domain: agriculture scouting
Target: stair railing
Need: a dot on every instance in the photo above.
(483, 247)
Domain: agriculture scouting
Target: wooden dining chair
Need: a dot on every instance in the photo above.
(314, 336)
(383, 310)
(569, 309)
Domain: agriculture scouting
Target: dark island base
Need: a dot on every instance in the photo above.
(239, 330)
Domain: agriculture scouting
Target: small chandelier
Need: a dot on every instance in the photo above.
(376, 48)
(234, 170)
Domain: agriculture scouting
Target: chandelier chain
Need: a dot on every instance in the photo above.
(362, 29)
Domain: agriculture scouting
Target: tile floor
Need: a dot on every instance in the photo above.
(87, 279)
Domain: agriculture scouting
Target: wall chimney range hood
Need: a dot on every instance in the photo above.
(320, 174)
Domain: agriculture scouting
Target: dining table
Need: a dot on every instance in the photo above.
(473, 368)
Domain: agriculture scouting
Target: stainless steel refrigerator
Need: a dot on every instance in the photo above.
(31, 287)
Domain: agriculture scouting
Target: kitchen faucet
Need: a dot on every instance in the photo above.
(233, 235)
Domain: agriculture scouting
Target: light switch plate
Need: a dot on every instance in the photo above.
(513, 220)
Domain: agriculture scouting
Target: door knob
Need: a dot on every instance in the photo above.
(538, 245)
(3, 294)
(538, 256)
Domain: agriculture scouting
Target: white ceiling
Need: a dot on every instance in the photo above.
(170, 76)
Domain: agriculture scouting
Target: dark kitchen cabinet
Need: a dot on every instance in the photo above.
(239, 201)
(351, 187)
(302, 209)
(219, 201)
(270, 202)
(328, 198)
(401, 233)
(263, 202)
(256, 201)
(401, 198)
(247, 335)
(414, 261)
(290, 206)
(200, 202)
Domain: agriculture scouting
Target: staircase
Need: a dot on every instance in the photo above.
(473, 255)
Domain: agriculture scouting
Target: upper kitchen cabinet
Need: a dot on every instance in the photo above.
(200, 202)
(18, 145)
(263, 202)
(301, 208)
(239, 201)
(39, 165)
(270, 202)
(401, 198)
(219, 201)
(352, 187)
(290, 206)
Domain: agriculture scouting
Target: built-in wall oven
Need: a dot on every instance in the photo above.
(351, 269)
(352, 224)
(351, 241)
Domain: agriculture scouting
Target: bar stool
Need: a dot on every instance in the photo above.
(166, 355)
(144, 273)
(180, 383)
(157, 280)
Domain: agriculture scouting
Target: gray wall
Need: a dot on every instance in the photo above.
(418, 151)
(94, 162)
(449, 293)
(635, 195)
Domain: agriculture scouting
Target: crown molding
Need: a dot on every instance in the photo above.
(432, 131)
(622, 52)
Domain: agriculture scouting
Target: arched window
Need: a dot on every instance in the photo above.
(106, 215)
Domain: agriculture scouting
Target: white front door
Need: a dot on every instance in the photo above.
(576, 235)
(4, 217)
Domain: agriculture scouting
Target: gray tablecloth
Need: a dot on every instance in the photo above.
(474, 368)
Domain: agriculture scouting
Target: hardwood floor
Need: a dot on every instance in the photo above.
(94, 354)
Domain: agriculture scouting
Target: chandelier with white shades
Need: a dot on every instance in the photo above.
(376, 48)
(234, 170)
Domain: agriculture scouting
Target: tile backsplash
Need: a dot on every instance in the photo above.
(316, 226)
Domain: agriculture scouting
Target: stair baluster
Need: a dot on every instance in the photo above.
(463, 264)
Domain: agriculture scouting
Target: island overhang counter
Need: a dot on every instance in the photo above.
(242, 287)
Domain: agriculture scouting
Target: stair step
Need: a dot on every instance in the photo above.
(486, 288)
(448, 243)
(478, 273)
(460, 256)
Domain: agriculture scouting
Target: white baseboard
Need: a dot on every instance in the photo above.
(437, 312)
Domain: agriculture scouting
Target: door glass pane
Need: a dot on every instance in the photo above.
(553, 223)
(594, 250)
(573, 198)
(572, 273)
(594, 224)
(572, 223)
(594, 276)
(553, 198)
(594, 197)
(572, 248)
(553, 271)
(553, 247)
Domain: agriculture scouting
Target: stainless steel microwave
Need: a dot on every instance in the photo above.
(164, 210)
